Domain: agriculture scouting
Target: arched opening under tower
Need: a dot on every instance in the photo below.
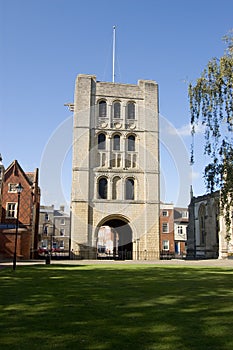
(114, 240)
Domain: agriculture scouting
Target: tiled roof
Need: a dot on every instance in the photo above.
(60, 213)
(31, 177)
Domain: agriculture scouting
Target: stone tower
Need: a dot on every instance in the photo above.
(115, 181)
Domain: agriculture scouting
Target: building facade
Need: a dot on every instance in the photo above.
(204, 228)
(46, 229)
(167, 231)
(54, 231)
(181, 220)
(115, 182)
(207, 234)
(28, 213)
(173, 231)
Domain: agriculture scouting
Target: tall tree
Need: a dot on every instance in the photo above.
(211, 104)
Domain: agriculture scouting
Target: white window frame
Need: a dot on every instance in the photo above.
(184, 214)
(167, 227)
(8, 210)
(44, 243)
(180, 229)
(164, 213)
(165, 244)
(12, 188)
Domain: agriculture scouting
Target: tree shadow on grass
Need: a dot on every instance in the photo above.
(116, 307)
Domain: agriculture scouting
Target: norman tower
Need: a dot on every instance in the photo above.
(115, 183)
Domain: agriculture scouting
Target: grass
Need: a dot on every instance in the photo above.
(116, 307)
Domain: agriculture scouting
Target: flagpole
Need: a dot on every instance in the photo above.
(113, 54)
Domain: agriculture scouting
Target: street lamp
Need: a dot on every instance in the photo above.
(19, 189)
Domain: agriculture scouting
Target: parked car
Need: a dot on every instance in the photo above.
(43, 250)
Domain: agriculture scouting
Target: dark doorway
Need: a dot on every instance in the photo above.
(115, 240)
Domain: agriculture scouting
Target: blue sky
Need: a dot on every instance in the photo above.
(46, 43)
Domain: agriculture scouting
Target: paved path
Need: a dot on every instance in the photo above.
(209, 262)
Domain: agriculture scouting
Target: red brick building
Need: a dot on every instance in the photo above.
(28, 213)
(173, 231)
(167, 247)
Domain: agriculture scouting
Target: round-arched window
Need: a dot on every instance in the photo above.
(116, 110)
(103, 188)
(131, 110)
(101, 141)
(129, 189)
(131, 143)
(102, 109)
(116, 142)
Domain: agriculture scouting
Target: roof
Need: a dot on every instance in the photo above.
(30, 177)
(61, 213)
(179, 217)
(205, 197)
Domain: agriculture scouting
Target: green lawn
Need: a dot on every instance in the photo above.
(116, 307)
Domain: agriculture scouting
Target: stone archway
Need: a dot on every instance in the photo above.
(114, 240)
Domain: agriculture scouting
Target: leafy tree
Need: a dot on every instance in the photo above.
(211, 103)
